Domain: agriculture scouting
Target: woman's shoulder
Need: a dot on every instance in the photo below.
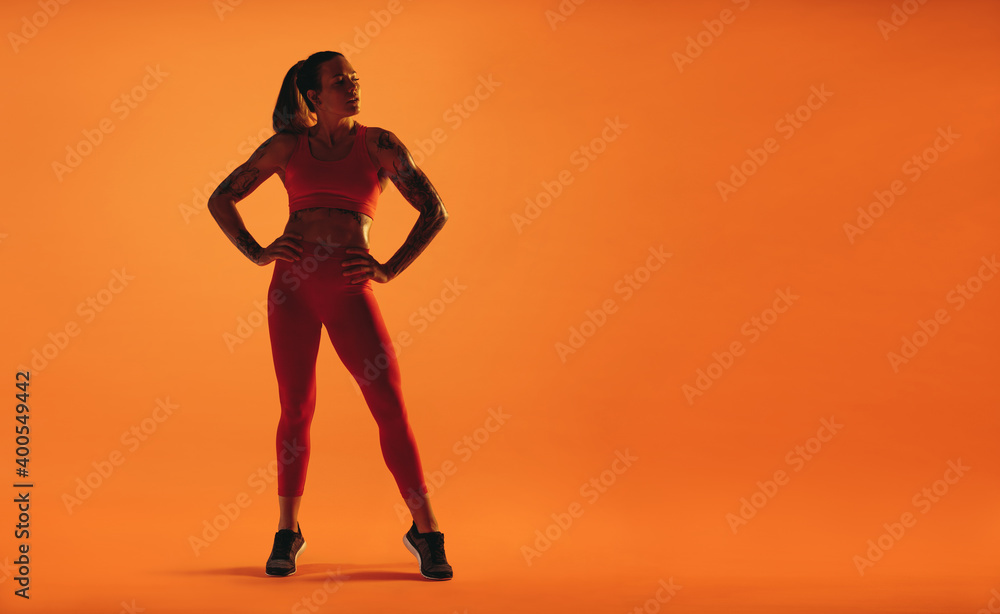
(278, 148)
(283, 143)
(381, 140)
(376, 134)
(285, 138)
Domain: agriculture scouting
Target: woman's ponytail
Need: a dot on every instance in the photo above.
(290, 111)
(293, 111)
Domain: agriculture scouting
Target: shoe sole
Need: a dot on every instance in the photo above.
(294, 567)
(416, 553)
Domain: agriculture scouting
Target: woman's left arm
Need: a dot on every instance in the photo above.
(413, 184)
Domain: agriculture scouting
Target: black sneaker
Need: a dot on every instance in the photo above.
(288, 544)
(429, 550)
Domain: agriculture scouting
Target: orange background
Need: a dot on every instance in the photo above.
(494, 345)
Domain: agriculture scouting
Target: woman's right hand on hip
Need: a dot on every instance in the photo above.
(285, 247)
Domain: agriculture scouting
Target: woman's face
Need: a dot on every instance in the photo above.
(341, 84)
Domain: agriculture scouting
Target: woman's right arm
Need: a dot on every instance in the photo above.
(244, 179)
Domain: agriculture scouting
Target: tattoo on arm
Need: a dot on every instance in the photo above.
(413, 184)
(408, 179)
(249, 246)
(418, 239)
(385, 141)
(239, 182)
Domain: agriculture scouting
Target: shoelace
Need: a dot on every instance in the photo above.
(283, 544)
(435, 541)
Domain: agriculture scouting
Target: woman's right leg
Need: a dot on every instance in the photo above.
(295, 334)
(288, 512)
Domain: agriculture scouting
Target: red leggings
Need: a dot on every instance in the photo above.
(304, 296)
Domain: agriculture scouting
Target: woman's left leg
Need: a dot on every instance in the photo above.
(354, 323)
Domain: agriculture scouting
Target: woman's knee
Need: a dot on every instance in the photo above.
(297, 410)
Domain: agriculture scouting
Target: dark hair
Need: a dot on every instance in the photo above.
(292, 110)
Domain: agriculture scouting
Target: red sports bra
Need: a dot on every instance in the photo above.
(351, 183)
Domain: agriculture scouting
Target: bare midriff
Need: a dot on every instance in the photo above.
(330, 226)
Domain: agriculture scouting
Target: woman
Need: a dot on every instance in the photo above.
(334, 169)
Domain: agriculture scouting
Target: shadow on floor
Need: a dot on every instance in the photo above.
(347, 572)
